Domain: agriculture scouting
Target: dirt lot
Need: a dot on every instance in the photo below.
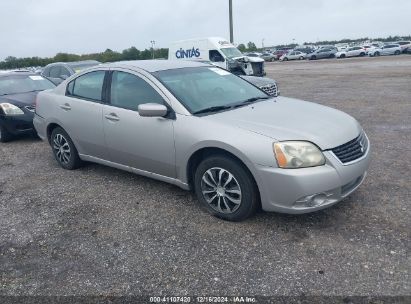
(99, 230)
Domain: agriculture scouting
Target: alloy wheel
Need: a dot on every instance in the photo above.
(221, 190)
(61, 148)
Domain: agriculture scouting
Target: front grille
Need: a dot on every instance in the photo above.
(257, 68)
(352, 150)
(270, 89)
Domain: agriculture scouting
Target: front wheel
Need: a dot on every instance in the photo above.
(226, 188)
(64, 150)
(285, 59)
(377, 54)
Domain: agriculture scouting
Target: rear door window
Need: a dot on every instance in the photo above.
(88, 86)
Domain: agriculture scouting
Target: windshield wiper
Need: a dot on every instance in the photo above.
(213, 109)
(251, 100)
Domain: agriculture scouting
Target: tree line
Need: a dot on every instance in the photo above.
(133, 53)
(108, 55)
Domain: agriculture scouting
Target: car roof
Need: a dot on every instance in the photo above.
(74, 62)
(156, 65)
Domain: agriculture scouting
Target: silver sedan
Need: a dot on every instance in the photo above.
(202, 128)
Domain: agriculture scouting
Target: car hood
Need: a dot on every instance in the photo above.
(21, 99)
(285, 118)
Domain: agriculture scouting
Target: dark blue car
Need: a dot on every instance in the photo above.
(18, 91)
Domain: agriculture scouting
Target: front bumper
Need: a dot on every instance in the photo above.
(306, 190)
(18, 124)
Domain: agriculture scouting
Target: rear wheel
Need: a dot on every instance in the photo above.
(64, 150)
(5, 135)
(313, 57)
(342, 56)
(301, 58)
(397, 52)
(362, 54)
(226, 188)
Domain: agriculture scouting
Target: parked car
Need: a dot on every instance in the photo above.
(18, 91)
(268, 56)
(59, 71)
(252, 54)
(306, 50)
(405, 45)
(293, 55)
(323, 53)
(202, 128)
(281, 52)
(351, 52)
(388, 49)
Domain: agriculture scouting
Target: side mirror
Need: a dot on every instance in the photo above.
(152, 110)
(64, 77)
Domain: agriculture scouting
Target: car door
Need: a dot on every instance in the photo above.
(81, 112)
(144, 143)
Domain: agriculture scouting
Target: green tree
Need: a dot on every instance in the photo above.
(242, 47)
(251, 47)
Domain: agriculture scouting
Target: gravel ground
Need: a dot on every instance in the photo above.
(101, 231)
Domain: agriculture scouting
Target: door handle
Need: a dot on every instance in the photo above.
(112, 117)
(66, 107)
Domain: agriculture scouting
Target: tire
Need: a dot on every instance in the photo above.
(342, 56)
(241, 203)
(5, 136)
(313, 57)
(331, 56)
(285, 59)
(301, 58)
(376, 54)
(64, 150)
(397, 52)
(362, 54)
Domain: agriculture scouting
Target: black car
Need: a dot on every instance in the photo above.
(59, 71)
(18, 91)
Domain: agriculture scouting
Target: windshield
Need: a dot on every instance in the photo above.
(82, 66)
(201, 88)
(23, 83)
(231, 52)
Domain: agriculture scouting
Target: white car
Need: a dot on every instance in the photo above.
(293, 55)
(405, 45)
(351, 52)
(388, 49)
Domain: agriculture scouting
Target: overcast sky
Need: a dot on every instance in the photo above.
(45, 27)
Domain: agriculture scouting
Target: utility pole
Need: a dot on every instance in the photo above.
(230, 11)
(153, 43)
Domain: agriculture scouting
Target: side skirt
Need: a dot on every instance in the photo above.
(159, 177)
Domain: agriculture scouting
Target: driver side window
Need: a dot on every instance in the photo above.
(215, 56)
(128, 91)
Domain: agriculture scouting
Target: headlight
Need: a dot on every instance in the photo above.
(297, 154)
(9, 109)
